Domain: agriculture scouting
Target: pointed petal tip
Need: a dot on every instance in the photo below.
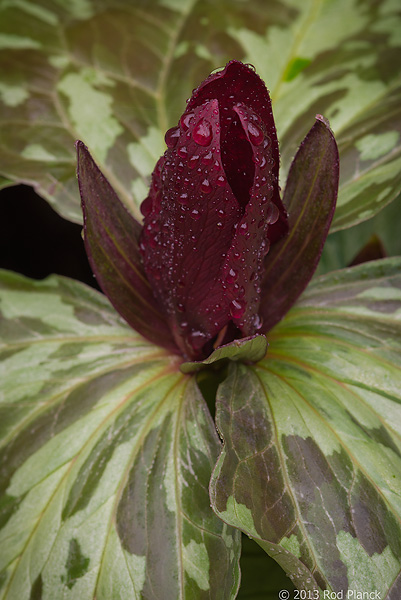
(80, 147)
(323, 120)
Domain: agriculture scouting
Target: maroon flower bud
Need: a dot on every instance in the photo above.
(212, 262)
(213, 210)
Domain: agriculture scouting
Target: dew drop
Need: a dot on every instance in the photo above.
(237, 255)
(197, 338)
(219, 224)
(172, 136)
(195, 214)
(255, 134)
(221, 181)
(208, 158)
(193, 161)
(232, 276)
(202, 133)
(243, 228)
(182, 151)
(183, 199)
(184, 324)
(180, 307)
(237, 309)
(264, 247)
(185, 120)
(257, 322)
(206, 187)
(216, 165)
(272, 214)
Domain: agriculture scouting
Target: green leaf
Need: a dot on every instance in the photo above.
(117, 76)
(249, 349)
(107, 452)
(311, 463)
(341, 247)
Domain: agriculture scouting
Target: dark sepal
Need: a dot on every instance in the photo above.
(310, 198)
(111, 242)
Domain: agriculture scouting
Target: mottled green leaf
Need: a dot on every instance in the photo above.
(311, 463)
(116, 75)
(341, 247)
(106, 455)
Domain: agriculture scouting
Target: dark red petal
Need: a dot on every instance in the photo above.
(240, 280)
(187, 234)
(238, 83)
(111, 241)
(310, 196)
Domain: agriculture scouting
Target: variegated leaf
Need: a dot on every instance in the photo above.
(311, 466)
(342, 247)
(106, 456)
(116, 75)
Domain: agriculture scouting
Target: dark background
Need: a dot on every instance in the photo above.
(36, 241)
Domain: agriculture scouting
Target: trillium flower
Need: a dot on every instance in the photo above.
(217, 258)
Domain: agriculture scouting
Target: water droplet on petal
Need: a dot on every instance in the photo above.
(193, 161)
(264, 247)
(182, 151)
(243, 228)
(257, 322)
(208, 158)
(255, 134)
(272, 214)
(221, 181)
(237, 309)
(172, 136)
(232, 276)
(206, 187)
(202, 133)
(180, 307)
(185, 120)
(195, 214)
(197, 338)
(183, 199)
